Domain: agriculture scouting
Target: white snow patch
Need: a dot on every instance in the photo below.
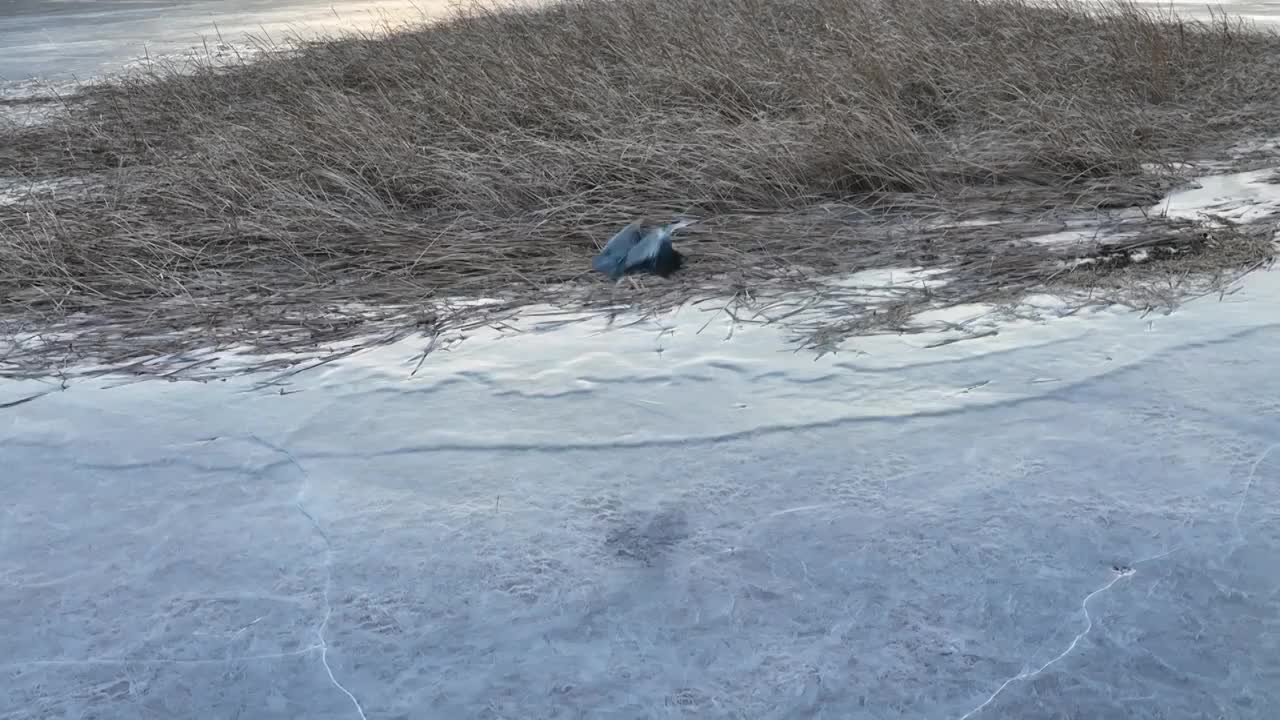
(883, 279)
(880, 286)
(1077, 238)
(1239, 197)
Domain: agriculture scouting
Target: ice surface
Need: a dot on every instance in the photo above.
(42, 38)
(1075, 517)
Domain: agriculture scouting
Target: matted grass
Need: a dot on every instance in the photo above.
(363, 185)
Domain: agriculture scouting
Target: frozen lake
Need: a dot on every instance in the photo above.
(1078, 517)
(54, 39)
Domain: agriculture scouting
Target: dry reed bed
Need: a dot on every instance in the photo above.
(360, 186)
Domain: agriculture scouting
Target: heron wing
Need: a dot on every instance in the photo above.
(616, 250)
(646, 251)
(622, 243)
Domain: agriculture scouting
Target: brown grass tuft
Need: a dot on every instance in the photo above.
(329, 187)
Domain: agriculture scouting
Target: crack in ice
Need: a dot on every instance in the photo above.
(1120, 572)
(328, 612)
(321, 645)
(1244, 494)
(328, 575)
(1024, 675)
